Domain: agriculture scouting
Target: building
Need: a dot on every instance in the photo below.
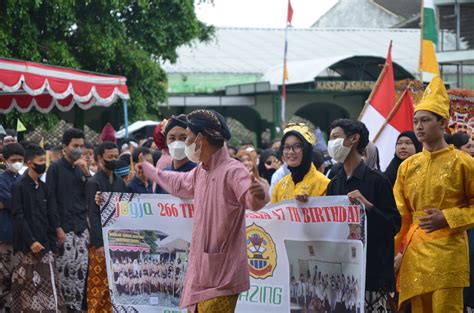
(331, 73)
(371, 14)
(455, 49)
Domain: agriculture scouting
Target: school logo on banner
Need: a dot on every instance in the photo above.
(261, 252)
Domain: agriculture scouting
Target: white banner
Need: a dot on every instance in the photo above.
(300, 255)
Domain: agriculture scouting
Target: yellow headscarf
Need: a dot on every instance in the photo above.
(435, 99)
(303, 130)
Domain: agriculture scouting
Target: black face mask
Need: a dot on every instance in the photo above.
(110, 165)
(39, 168)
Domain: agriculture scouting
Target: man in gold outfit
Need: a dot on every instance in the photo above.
(434, 192)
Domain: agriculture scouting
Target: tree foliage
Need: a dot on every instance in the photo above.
(122, 37)
(150, 238)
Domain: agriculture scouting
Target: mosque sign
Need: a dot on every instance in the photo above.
(339, 85)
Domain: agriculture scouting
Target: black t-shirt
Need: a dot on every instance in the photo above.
(383, 221)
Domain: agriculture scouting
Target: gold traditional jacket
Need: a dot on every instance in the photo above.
(443, 179)
(314, 184)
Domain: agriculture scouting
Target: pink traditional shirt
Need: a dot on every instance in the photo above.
(218, 264)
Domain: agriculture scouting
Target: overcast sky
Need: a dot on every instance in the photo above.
(261, 13)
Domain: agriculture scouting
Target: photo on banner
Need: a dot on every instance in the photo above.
(148, 267)
(324, 276)
(320, 244)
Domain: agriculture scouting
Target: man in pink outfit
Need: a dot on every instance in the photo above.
(222, 189)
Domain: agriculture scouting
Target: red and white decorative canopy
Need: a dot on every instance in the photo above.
(125, 248)
(24, 85)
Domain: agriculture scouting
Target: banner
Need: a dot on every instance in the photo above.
(300, 255)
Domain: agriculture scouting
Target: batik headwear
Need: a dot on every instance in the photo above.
(108, 134)
(209, 123)
(435, 99)
(174, 121)
(159, 136)
(303, 130)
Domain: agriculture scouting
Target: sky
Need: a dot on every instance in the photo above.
(261, 13)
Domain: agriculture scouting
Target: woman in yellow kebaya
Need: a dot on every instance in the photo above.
(304, 180)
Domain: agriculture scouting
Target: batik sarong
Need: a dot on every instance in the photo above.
(8, 261)
(376, 302)
(72, 263)
(35, 286)
(224, 304)
(98, 294)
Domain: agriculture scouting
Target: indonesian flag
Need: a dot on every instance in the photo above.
(428, 62)
(381, 100)
(398, 121)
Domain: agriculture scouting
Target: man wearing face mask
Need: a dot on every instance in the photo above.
(13, 154)
(222, 189)
(105, 180)
(66, 180)
(348, 139)
(35, 286)
(175, 134)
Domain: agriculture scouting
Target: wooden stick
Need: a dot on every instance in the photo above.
(391, 114)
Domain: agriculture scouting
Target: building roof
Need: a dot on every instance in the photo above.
(258, 50)
(358, 14)
(403, 8)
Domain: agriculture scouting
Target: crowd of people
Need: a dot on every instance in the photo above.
(132, 277)
(325, 292)
(50, 210)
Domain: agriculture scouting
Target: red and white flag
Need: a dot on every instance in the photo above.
(398, 121)
(381, 101)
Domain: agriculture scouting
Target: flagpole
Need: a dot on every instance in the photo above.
(422, 26)
(391, 114)
(283, 96)
(283, 92)
(283, 86)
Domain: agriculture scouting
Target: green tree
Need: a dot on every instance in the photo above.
(150, 238)
(122, 37)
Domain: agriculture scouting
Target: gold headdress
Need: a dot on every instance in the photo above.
(435, 99)
(303, 130)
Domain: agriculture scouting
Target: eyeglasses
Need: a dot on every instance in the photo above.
(297, 148)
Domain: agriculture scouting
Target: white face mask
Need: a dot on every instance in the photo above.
(191, 152)
(176, 149)
(337, 150)
(16, 167)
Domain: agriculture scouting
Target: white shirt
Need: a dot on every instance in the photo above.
(278, 175)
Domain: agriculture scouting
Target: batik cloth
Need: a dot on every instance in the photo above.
(98, 294)
(224, 304)
(72, 263)
(376, 302)
(35, 286)
(8, 261)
